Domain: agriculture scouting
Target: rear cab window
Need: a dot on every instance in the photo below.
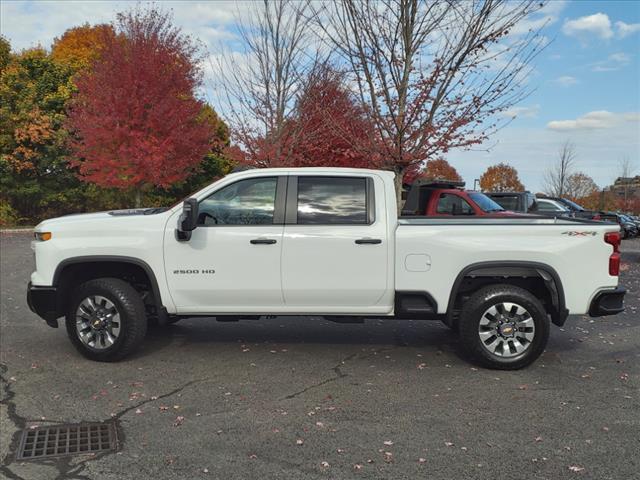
(451, 204)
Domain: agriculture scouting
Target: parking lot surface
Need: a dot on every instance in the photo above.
(306, 398)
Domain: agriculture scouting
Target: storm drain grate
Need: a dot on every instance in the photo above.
(69, 439)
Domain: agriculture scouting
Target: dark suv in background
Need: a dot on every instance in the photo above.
(577, 211)
(521, 202)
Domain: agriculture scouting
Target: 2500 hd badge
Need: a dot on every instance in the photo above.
(194, 271)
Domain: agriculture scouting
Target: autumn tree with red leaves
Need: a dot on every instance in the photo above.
(437, 169)
(327, 127)
(501, 178)
(135, 119)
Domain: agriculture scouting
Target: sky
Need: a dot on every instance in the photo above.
(586, 82)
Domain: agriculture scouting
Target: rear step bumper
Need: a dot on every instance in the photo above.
(608, 302)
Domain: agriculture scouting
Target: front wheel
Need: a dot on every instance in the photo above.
(106, 319)
(504, 327)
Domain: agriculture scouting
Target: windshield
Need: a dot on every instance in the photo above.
(572, 205)
(485, 203)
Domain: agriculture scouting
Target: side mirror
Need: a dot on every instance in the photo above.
(188, 220)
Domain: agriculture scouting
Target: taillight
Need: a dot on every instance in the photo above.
(597, 217)
(613, 239)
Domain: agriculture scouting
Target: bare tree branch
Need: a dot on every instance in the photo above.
(556, 178)
(433, 74)
(258, 86)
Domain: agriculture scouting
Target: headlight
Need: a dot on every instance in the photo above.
(42, 236)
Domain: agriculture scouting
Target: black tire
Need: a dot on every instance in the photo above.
(129, 306)
(494, 296)
(453, 325)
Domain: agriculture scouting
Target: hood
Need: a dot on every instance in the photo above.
(111, 215)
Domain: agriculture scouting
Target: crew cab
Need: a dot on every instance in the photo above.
(320, 242)
(441, 197)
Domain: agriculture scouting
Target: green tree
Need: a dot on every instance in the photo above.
(36, 180)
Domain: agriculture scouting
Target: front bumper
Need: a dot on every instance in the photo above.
(608, 302)
(43, 301)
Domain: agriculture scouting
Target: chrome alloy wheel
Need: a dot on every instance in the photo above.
(506, 330)
(97, 322)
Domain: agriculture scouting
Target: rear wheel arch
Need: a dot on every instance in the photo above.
(539, 278)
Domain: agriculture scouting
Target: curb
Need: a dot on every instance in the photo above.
(15, 230)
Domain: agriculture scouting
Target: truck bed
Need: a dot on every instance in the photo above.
(435, 251)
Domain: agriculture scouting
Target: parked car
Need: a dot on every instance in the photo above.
(320, 241)
(632, 223)
(444, 198)
(546, 206)
(577, 210)
(635, 219)
(627, 228)
(521, 202)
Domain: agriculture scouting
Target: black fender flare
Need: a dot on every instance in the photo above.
(516, 269)
(155, 289)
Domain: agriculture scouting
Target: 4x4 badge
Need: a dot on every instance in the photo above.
(579, 234)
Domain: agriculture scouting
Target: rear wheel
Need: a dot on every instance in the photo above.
(106, 319)
(504, 327)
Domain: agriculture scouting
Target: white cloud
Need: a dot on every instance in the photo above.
(626, 29)
(521, 112)
(27, 24)
(597, 24)
(597, 120)
(614, 62)
(566, 81)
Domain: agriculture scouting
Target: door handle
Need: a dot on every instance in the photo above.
(262, 241)
(368, 241)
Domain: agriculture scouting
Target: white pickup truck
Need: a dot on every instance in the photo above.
(321, 242)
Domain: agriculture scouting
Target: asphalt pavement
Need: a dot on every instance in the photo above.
(297, 398)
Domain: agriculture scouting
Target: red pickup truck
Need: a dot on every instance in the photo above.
(434, 198)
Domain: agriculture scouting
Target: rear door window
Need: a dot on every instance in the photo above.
(332, 201)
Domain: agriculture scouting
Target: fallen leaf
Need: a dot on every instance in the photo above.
(576, 468)
(388, 442)
(300, 441)
(179, 421)
(138, 411)
(422, 460)
(448, 444)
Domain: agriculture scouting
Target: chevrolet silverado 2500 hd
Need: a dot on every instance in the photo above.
(321, 242)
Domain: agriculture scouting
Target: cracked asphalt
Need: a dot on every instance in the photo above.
(306, 398)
